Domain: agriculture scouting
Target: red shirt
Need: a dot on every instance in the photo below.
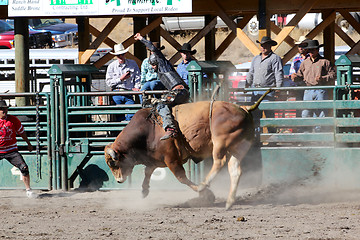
(9, 127)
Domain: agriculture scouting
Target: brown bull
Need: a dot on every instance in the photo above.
(225, 135)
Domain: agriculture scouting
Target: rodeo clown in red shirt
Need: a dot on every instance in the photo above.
(9, 127)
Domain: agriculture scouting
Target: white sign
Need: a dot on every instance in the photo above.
(46, 8)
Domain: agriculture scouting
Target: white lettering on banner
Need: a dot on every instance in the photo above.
(44, 8)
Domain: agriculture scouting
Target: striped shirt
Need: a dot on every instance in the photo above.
(9, 127)
(296, 62)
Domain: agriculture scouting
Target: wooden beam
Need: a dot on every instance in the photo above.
(239, 32)
(313, 33)
(247, 42)
(305, 8)
(83, 36)
(166, 35)
(329, 38)
(100, 38)
(195, 39)
(351, 20)
(210, 40)
(128, 42)
(143, 31)
(355, 49)
(108, 41)
(344, 36)
(221, 13)
(230, 38)
(275, 29)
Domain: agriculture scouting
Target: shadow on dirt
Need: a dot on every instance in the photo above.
(55, 195)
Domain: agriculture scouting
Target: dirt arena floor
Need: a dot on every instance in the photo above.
(297, 212)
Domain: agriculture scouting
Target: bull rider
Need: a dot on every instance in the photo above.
(179, 91)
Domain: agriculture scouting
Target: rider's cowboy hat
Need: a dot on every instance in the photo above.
(311, 44)
(119, 49)
(157, 45)
(267, 39)
(186, 47)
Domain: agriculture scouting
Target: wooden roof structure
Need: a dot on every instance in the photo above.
(227, 10)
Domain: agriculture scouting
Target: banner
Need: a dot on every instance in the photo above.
(73, 8)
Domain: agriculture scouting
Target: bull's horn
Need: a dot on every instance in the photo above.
(111, 152)
(256, 105)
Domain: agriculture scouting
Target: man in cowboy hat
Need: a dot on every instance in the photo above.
(149, 76)
(266, 70)
(123, 75)
(295, 65)
(314, 71)
(9, 127)
(178, 94)
(186, 55)
(300, 57)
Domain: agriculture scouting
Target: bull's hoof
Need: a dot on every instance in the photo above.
(229, 204)
(145, 193)
(201, 187)
(207, 194)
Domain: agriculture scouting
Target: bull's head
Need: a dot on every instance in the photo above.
(120, 167)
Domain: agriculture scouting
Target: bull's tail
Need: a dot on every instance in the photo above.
(256, 105)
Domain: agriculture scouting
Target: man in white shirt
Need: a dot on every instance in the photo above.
(123, 75)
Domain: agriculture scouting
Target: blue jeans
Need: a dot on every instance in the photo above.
(257, 114)
(314, 95)
(164, 109)
(127, 99)
(152, 85)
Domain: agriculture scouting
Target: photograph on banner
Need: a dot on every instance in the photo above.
(45, 8)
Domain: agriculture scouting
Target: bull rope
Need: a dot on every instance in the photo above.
(216, 90)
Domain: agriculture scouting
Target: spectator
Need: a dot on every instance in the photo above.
(178, 94)
(123, 75)
(9, 127)
(149, 76)
(315, 71)
(186, 55)
(266, 70)
(300, 57)
(295, 65)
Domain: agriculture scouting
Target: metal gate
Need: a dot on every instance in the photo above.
(36, 121)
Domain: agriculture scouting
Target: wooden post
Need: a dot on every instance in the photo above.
(210, 40)
(264, 29)
(329, 38)
(154, 35)
(139, 48)
(22, 59)
(84, 36)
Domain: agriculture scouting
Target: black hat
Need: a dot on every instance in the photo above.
(157, 45)
(186, 47)
(311, 44)
(267, 39)
(3, 104)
